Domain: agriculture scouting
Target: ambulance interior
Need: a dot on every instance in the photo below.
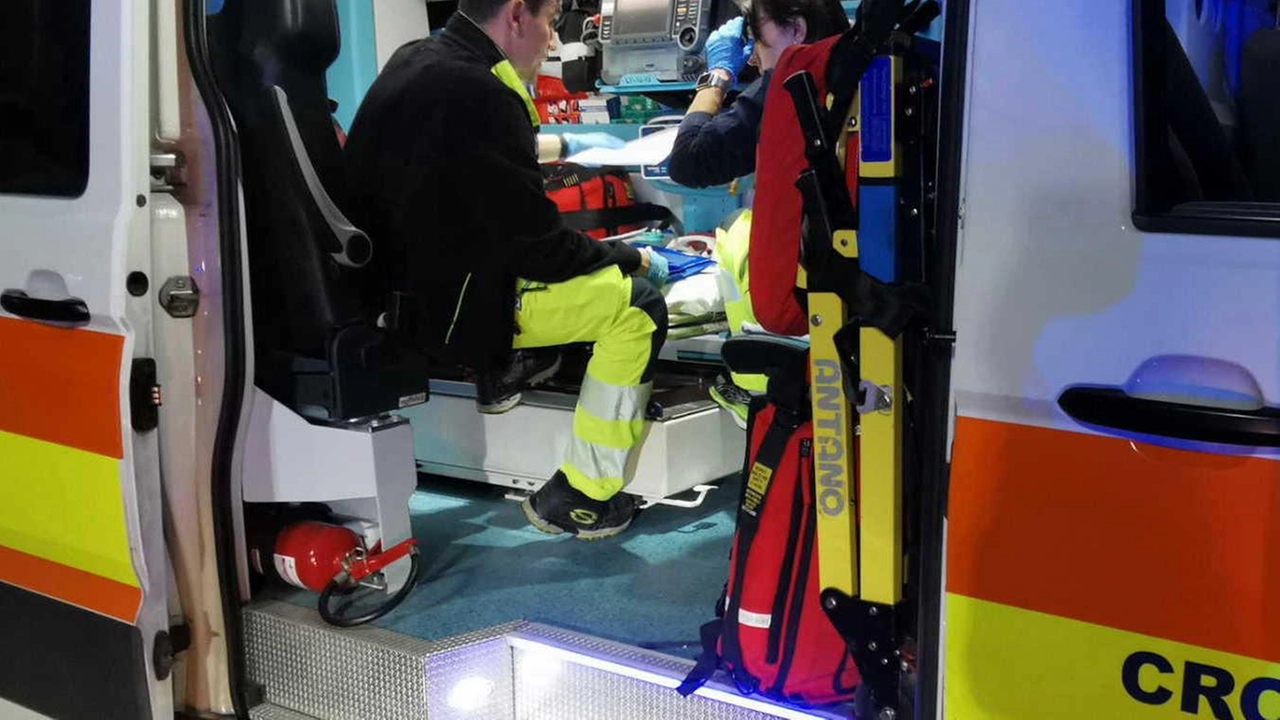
(348, 418)
(322, 371)
(346, 421)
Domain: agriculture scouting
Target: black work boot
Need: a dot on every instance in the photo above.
(559, 507)
(499, 391)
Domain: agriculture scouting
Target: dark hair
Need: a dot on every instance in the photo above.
(822, 18)
(482, 11)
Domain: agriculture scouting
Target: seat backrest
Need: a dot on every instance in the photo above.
(298, 295)
(305, 257)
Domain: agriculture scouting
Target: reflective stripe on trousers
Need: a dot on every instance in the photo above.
(626, 318)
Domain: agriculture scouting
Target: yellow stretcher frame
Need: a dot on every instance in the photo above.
(858, 458)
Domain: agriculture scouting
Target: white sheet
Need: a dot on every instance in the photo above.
(696, 295)
(648, 150)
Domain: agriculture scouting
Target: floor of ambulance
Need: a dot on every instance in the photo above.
(652, 586)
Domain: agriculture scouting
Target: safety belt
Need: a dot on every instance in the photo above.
(615, 217)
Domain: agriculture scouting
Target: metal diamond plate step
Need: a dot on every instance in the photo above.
(358, 673)
(267, 711)
(517, 671)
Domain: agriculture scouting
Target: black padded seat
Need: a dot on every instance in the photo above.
(317, 347)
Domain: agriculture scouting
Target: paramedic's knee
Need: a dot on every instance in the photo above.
(645, 297)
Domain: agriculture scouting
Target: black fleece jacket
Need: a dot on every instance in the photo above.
(443, 174)
(715, 149)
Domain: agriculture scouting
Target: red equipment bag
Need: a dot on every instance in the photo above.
(599, 201)
(556, 104)
(584, 194)
(772, 635)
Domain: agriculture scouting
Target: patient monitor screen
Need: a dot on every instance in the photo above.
(641, 17)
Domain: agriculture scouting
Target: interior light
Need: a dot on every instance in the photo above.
(470, 693)
(546, 654)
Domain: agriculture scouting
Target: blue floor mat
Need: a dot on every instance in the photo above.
(654, 585)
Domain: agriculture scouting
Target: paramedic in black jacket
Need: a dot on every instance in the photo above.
(714, 144)
(442, 162)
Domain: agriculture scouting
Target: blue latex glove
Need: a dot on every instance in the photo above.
(577, 142)
(659, 269)
(727, 47)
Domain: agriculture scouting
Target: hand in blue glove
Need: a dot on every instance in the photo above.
(727, 48)
(577, 142)
(659, 269)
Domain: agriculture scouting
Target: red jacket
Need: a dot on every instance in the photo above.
(774, 255)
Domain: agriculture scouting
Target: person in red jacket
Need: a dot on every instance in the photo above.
(716, 142)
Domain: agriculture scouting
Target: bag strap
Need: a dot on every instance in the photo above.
(758, 482)
(567, 175)
(619, 216)
(707, 661)
(804, 492)
(755, 493)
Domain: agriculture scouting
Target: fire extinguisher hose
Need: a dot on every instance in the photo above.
(339, 589)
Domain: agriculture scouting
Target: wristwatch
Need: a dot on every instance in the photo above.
(714, 79)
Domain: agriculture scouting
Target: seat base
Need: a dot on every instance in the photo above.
(694, 443)
(362, 471)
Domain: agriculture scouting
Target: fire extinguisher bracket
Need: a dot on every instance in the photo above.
(345, 584)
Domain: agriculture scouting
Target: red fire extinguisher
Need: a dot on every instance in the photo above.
(332, 560)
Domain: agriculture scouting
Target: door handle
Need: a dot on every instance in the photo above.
(70, 312)
(1113, 408)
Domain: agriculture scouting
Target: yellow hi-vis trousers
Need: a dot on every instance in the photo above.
(626, 318)
(735, 287)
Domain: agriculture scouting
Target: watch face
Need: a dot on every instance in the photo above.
(710, 79)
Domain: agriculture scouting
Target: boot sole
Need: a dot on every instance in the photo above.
(501, 407)
(724, 404)
(538, 378)
(605, 532)
(541, 524)
(508, 404)
(536, 520)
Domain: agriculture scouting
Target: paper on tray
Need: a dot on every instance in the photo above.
(648, 150)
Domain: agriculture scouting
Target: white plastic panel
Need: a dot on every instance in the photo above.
(166, 113)
(362, 471)
(522, 448)
(395, 23)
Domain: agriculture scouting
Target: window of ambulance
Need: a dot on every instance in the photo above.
(1207, 119)
(44, 97)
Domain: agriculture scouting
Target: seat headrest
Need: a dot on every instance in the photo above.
(302, 35)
